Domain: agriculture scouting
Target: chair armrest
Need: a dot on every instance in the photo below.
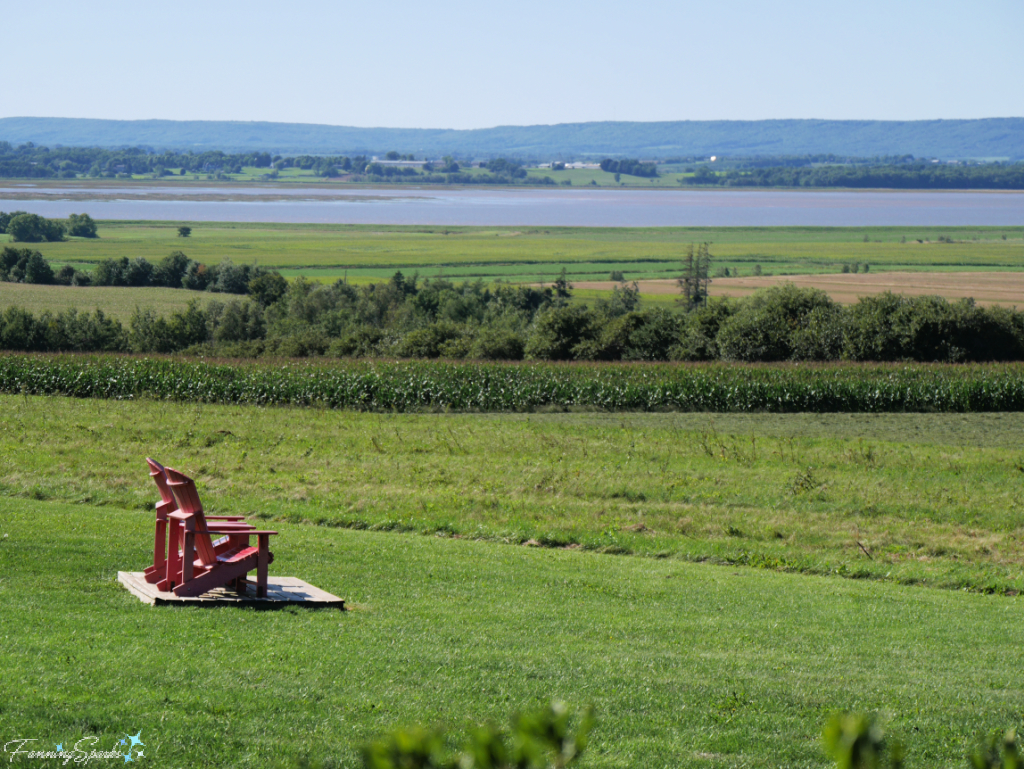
(215, 530)
(229, 518)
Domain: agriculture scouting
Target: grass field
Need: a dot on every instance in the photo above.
(115, 302)
(986, 288)
(911, 498)
(687, 664)
(330, 252)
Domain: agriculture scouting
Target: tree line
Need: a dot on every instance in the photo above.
(24, 227)
(176, 270)
(919, 175)
(629, 167)
(435, 318)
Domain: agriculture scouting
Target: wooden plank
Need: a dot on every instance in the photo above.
(281, 592)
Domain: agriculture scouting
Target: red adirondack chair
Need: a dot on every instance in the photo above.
(166, 506)
(195, 563)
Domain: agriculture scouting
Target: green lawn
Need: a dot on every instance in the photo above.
(692, 664)
(687, 664)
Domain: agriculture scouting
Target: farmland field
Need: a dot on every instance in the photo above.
(363, 252)
(986, 288)
(116, 302)
(652, 256)
(687, 663)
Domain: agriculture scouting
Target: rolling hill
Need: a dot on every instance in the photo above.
(984, 138)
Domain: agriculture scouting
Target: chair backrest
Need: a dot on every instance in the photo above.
(184, 491)
(156, 472)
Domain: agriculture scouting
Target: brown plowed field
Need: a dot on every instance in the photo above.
(1005, 288)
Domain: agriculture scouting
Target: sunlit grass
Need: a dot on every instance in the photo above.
(904, 497)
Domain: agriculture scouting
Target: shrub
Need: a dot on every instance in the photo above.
(362, 342)
(763, 327)
(430, 341)
(646, 335)
(139, 272)
(237, 321)
(541, 739)
(196, 277)
(558, 333)
(81, 226)
(171, 270)
(498, 344)
(31, 228)
(148, 333)
(856, 741)
(37, 270)
(5, 219)
(113, 272)
(229, 278)
(23, 265)
(698, 335)
(268, 288)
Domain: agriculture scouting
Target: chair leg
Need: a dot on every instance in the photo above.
(261, 565)
(188, 556)
(158, 570)
(172, 576)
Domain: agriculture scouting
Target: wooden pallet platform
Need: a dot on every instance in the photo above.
(281, 592)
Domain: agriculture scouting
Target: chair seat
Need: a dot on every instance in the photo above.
(240, 554)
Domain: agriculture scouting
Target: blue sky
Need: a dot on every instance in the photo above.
(456, 64)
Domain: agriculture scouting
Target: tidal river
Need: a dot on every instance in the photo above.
(520, 207)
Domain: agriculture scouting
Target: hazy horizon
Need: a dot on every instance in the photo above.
(504, 125)
(463, 65)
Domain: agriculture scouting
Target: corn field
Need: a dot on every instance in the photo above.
(438, 386)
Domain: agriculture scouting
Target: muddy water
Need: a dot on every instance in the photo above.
(522, 207)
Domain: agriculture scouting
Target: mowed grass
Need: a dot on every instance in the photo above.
(687, 665)
(364, 252)
(932, 499)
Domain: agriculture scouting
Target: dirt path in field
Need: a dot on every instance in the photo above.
(987, 288)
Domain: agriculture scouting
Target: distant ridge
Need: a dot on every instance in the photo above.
(947, 139)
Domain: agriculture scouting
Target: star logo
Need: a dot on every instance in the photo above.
(60, 747)
(123, 742)
(128, 757)
(135, 740)
(141, 755)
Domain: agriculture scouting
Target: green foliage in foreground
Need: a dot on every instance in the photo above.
(857, 741)
(540, 739)
(414, 386)
(684, 663)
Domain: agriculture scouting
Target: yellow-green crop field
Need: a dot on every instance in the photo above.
(526, 255)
